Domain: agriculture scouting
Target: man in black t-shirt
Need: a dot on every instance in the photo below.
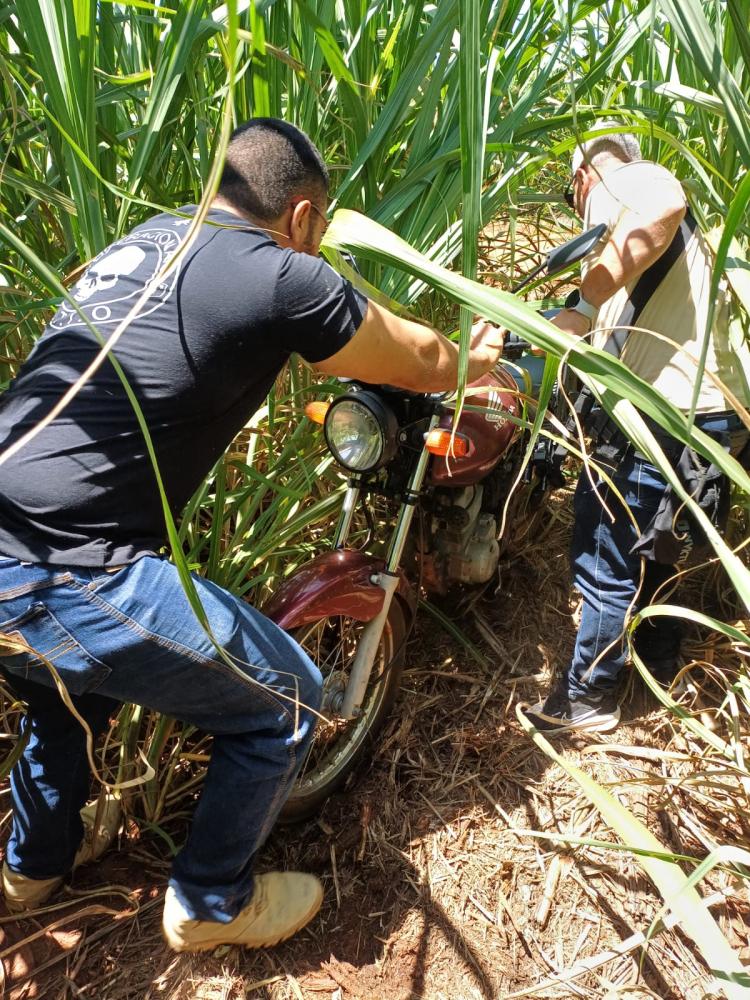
(82, 583)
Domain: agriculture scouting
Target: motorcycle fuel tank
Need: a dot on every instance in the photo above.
(486, 427)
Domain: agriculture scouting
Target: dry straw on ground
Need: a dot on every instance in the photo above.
(434, 886)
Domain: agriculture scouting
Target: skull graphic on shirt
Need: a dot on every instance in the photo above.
(102, 296)
(106, 271)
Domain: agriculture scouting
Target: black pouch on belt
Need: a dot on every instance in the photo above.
(674, 534)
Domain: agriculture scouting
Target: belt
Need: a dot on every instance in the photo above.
(672, 447)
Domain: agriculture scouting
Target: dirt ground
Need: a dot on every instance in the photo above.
(435, 886)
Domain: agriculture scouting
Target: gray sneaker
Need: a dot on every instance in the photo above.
(560, 711)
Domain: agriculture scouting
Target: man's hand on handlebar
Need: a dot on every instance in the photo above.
(566, 319)
(486, 347)
(572, 322)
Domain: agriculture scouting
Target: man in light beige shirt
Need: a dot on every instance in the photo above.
(644, 209)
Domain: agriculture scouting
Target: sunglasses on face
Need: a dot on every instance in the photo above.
(324, 217)
(318, 211)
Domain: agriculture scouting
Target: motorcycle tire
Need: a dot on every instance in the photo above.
(340, 745)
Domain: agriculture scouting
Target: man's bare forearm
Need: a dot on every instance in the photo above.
(633, 247)
(438, 370)
(388, 348)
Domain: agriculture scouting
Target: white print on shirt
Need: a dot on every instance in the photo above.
(138, 258)
(105, 271)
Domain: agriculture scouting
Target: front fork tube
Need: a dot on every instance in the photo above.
(347, 514)
(388, 580)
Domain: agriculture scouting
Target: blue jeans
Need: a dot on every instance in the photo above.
(607, 575)
(131, 636)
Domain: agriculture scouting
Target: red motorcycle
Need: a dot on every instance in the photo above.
(351, 610)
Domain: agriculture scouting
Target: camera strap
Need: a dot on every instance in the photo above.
(647, 284)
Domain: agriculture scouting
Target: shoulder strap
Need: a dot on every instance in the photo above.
(643, 289)
(647, 284)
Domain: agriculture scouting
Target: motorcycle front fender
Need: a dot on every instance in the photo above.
(335, 583)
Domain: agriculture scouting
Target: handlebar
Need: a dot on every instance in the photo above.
(514, 346)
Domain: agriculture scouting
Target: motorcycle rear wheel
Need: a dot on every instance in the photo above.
(340, 745)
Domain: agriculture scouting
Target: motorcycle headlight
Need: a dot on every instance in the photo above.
(361, 432)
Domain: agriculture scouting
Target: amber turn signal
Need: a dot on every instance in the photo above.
(438, 442)
(316, 411)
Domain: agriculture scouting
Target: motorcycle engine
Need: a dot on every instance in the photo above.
(464, 537)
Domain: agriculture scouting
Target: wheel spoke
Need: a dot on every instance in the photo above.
(332, 644)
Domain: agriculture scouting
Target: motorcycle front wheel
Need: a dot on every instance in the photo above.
(339, 745)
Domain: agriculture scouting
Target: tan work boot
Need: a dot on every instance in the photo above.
(281, 904)
(24, 893)
(100, 827)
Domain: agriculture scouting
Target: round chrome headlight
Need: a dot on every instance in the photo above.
(360, 432)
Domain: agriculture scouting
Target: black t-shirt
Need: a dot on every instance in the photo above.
(201, 357)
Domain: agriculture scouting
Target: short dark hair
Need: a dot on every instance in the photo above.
(268, 162)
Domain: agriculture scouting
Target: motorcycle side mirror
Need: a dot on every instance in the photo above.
(561, 257)
(574, 250)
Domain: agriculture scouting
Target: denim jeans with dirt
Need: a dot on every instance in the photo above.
(131, 636)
